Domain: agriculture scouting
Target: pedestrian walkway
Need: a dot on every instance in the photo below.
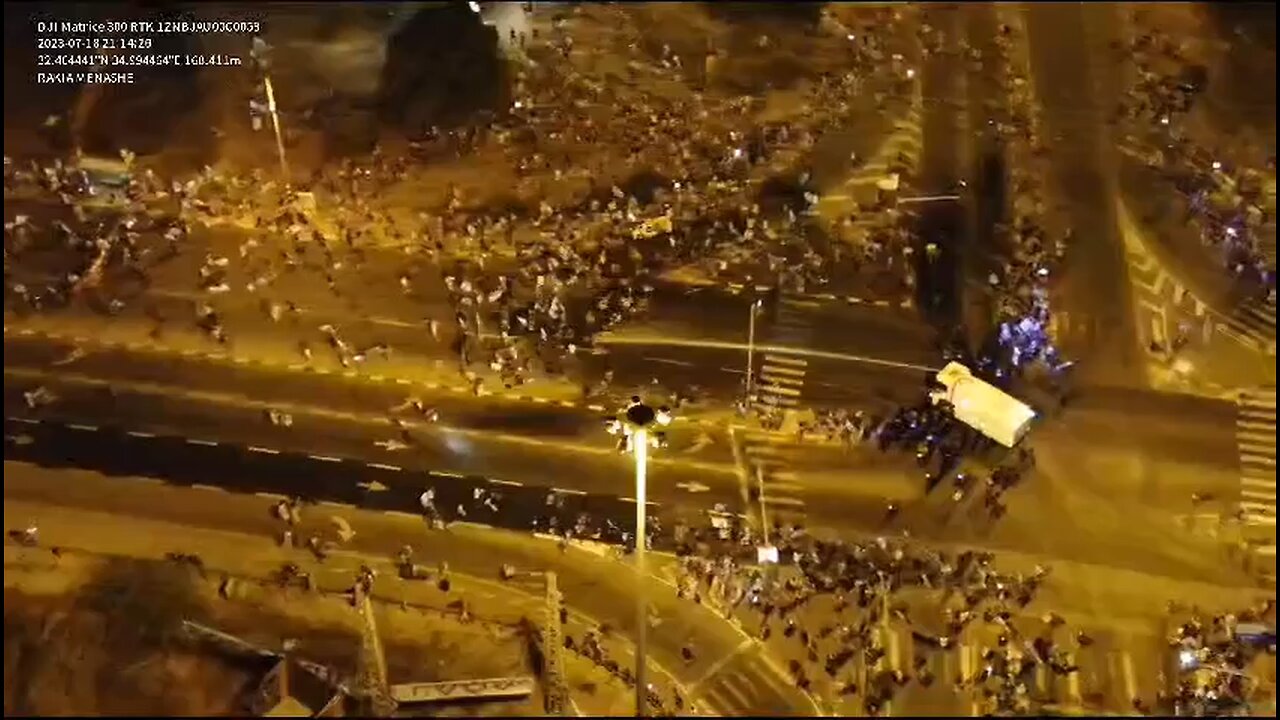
(1161, 299)
(781, 379)
(1253, 322)
(733, 684)
(1256, 438)
(772, 491)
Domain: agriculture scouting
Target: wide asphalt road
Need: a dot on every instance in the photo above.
(1068, 46)
(1126, 506)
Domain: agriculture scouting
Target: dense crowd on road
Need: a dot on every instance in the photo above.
(529, 286)
(531, 283)
(1032, 248)
(869, 587)
(1215, 655)
(1225, 200)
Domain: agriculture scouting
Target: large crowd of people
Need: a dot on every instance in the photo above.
(1032, 248)
(531, 283)
(1224, 193)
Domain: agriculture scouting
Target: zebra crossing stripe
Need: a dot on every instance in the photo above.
(782, 370)
(792, 378)
(798, 362)
(1255, 436)
(779, 390)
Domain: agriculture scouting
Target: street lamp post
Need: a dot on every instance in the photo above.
(275, 124)
(260, 53)
(751, 345)
(636, 428)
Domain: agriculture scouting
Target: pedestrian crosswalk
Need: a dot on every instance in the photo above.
(781, 377)
(745, 684)
(781, 381)
(1107, 675)
(1163, 303)
(1256, 439)
(774, 491)
(1254, 323)
(771, 489)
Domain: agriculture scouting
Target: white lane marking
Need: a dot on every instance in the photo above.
(783, 501)
(268, 451)
(210, 488)
(325, 458)
(271, 496)
(782, 370)
(718, 665)
(206, 443)
(633, 500)
(331, 503)
(444, 473)
(402, 514)
(563, 491)
(469, 524)
(512, 483)
(657, 340)
(140, 434)
(781, 380)
(779, 390)
(681, 363)
(384, 466)
(25, 421)
(784, 360)
(86, 428)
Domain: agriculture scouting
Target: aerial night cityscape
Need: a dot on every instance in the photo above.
(665, 359)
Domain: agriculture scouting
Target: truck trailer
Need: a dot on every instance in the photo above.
(982, 406)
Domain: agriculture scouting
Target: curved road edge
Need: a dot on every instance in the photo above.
(597, 589)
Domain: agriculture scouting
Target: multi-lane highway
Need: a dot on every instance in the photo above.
(1180, 446)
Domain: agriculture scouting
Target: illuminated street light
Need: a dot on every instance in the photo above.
(637, 433)
(275, 124)
(751, 343)
(261, 56)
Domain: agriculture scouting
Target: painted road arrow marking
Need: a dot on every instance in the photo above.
(373, 486)
(693, 487)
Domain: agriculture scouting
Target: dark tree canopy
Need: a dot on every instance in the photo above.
(443, 68)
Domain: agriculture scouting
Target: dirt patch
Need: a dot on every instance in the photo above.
(111, 648)
(85, 636)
